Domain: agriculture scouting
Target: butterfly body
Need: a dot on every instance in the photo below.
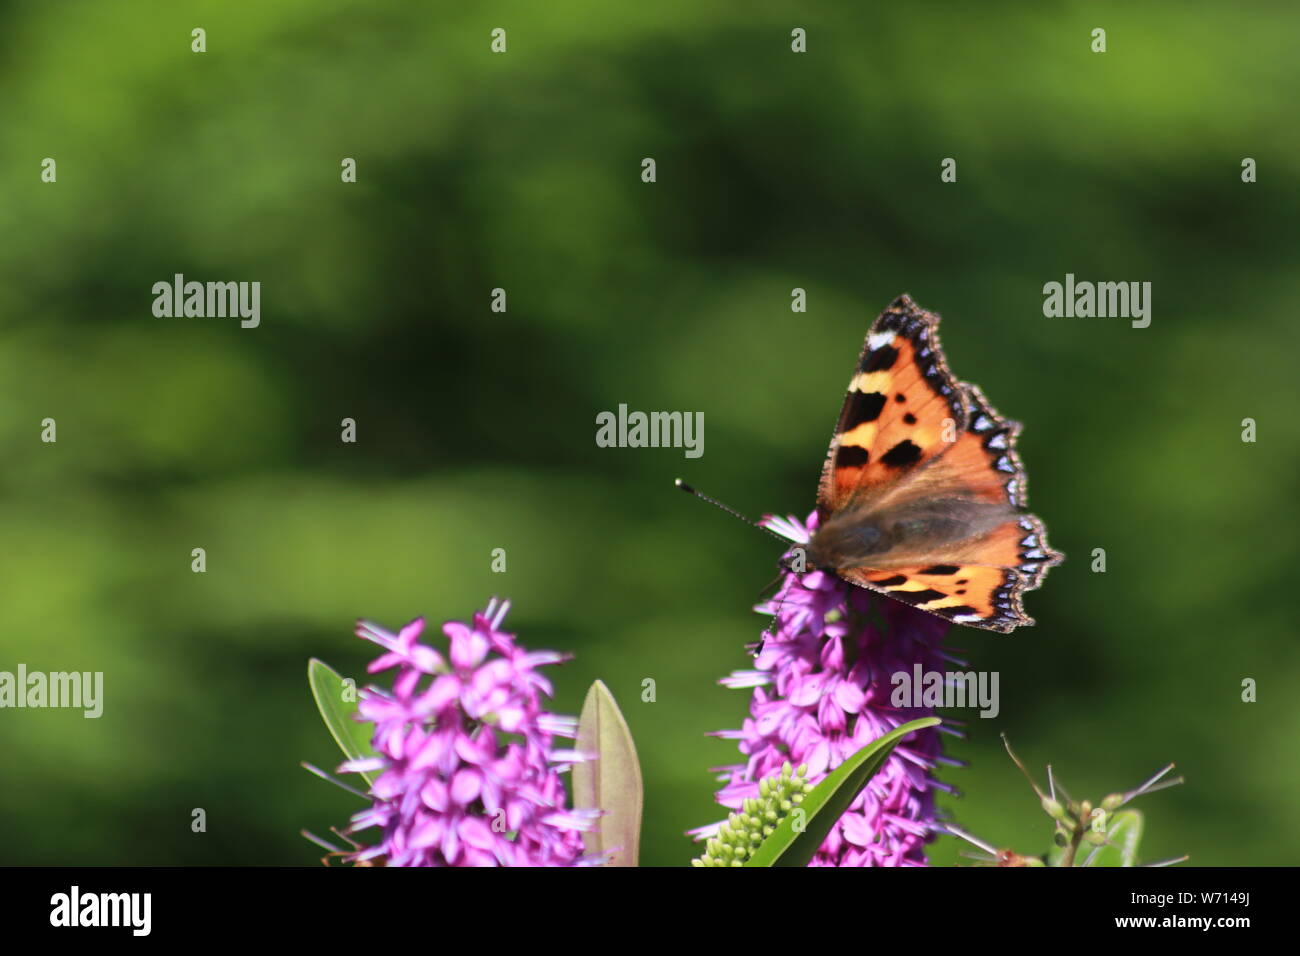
(891, 537)
(922, 494)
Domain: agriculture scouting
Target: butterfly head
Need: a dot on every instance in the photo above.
(795, 561)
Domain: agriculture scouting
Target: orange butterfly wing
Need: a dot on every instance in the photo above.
(910, 432)
(901, 403)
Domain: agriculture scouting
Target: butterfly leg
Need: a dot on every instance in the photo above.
(792, 562)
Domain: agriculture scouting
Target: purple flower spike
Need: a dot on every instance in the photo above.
(822, 687)
(467, 773)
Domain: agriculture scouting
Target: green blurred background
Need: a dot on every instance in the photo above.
(476, 429)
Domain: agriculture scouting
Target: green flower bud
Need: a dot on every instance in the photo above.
(744, 831)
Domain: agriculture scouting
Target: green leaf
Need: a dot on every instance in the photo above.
(612, 781)
(1122, 838)
(352, 736)
(828, 801)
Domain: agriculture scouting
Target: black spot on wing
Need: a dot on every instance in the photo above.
(893, 582)
(851, 456)
(878, 360)
(862, 407)
(902, 454)
(918, 597)
(941, 569)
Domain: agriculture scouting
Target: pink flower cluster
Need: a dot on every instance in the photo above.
(467, 773)
(822, 687)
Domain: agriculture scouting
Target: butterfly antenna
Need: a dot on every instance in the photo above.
(770, 630)
(731, 511)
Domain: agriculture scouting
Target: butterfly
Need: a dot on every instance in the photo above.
(922, 495)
